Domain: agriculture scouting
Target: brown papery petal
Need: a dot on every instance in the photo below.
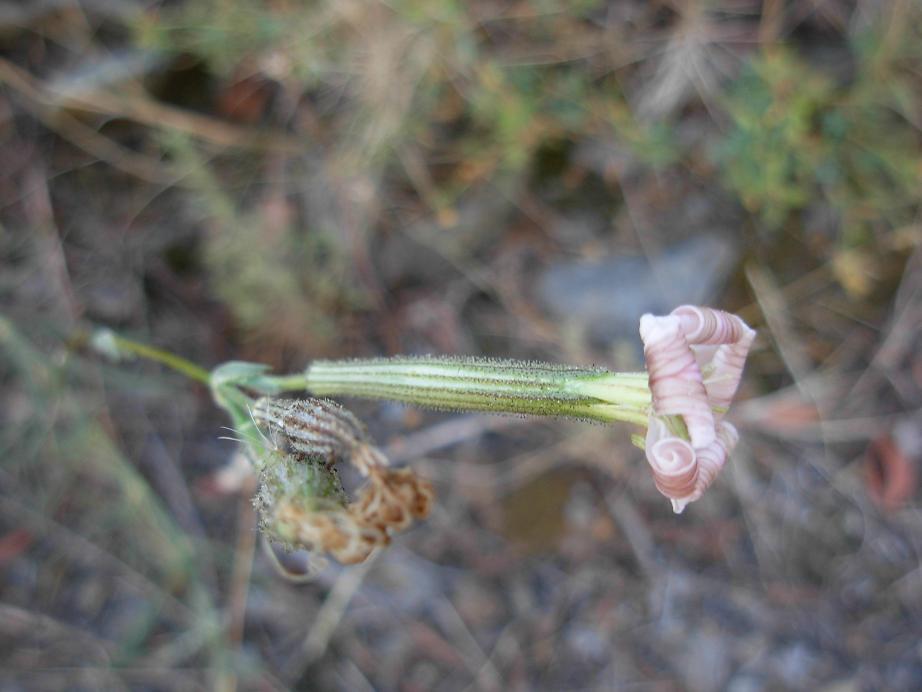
(393, 498)
(335, 531)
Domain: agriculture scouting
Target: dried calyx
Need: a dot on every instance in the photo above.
(301, 500)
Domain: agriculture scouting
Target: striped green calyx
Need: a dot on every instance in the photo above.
(495, 386)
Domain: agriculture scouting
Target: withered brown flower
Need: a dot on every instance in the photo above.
(312, 434)
(393, 498)
(334, 530)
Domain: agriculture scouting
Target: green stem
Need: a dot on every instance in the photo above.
(172, 361)
(282, 383)
(496, 386)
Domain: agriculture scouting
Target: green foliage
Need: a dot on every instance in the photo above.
(116, 522)
(769, 157)
(434, 96)
(652, 142)
(286, 284)
(796, 138)
(224, 32)
(420, 74)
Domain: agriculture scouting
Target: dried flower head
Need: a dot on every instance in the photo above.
(286, 478)
(695, 358)
(302, 504)
(300, 496)
(328, 529)
(393, 498)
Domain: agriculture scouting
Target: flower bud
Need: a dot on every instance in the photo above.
(314, 428)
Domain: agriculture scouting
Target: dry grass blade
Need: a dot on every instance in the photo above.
(328, 617)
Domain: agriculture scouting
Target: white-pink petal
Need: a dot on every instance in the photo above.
(708, 326)
(679, 348)
(675, 380)
(673, 463)
(712, 458)
(727, 370)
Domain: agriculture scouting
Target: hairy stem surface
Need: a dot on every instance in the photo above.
(495, 386)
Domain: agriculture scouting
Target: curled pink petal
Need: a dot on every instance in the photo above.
(675, 379)
(705, 328)
(712, 458)
(673, 462)
(727, 370)
(708, 326)
(679, 349)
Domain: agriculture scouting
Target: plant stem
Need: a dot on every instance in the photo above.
(496, 386)
(172, 361)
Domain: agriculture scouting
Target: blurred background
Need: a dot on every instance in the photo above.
(284, 180)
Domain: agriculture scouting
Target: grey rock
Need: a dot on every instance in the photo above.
(608, 296)
(795, 665)
(746, 683)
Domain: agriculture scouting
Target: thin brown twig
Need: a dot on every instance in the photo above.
(771, 23)
(329, 616)
(51, 107)
(146, 111)
(79, 134)
(475, 658)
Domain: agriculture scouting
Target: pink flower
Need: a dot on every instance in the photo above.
(675, 378)
(695, 358)
(733, 338)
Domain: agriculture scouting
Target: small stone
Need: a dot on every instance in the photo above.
(608, 296)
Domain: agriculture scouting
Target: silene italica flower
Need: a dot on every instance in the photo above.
(694, 361)
(695, 358)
